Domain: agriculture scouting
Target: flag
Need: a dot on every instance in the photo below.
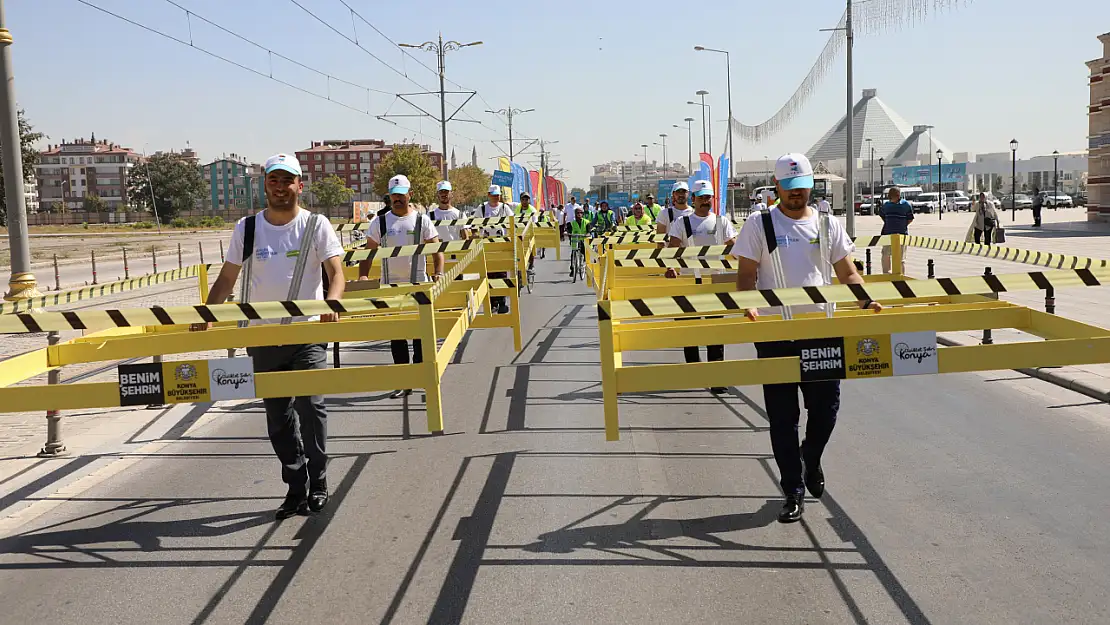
(722, 185)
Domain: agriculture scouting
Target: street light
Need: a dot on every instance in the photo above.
(882, 177)
(728, 82)
(1055, 179)
(663, 136)
(509, 113)
(940, 179)
(871, 173)
(704, 106)
(441, 48)
(644, 172)
(689, 144)
(1013, 179)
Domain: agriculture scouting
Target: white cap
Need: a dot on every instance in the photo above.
(759, 197)
(399, 184)
(494, 190)
(703, 187)
(793, 171)
(680, 186)
(443, 185)
(285, 162)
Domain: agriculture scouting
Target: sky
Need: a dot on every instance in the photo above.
(603, 77)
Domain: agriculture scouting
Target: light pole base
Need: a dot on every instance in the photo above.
(22, 285)
(53, 450)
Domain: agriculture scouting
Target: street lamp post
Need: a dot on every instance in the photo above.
(644, 173)
(1055, 179)
(663, 136)
(882, 176)
(509, 113)
(703, 106)
(1013, 179)
(871, 172)
(728, 82)
(940, 182)
(441, 48)
(689, 144)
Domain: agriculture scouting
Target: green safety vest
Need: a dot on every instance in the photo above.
(643, 221)
(579, 227)
(606, 219)
(653, 210)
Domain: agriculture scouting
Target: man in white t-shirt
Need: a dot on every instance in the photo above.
(444, 211)
(494, 207)
(701, 227)
(402, 225)
(797, 242)
(824, 207)
(276, 245)
(669, 215)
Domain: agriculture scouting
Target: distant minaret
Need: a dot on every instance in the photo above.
(452, 158)
(474, 156)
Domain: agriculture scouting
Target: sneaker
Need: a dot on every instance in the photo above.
(400, 393)
(296, 502)
(813, 476)
(792, 508)
(318, 495)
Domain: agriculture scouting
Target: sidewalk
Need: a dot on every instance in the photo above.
(1063, 231)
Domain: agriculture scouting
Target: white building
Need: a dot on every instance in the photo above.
(71, 171)
(633, 176)
(31, 195)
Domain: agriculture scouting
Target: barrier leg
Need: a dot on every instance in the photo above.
(610, 360)
(867, 255)
(202, 282)
(932, 269)
(988, 337)
(896, 265)
(54, 446)
(431, 368)
(1050, 301)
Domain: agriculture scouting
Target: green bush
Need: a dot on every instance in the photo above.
(212, 222)
(85, 225)
(178, 222)
(143, 225)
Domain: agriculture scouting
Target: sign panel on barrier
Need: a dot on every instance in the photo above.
(185, 381)
(821, 359)
(867, 356)
(914, 353)
(231, 378)
(141, 385)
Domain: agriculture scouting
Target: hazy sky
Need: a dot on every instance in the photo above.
(603, 77)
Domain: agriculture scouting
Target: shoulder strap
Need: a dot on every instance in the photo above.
(769, 231)
(776, 256)
(248, 238)
(381, 228)
(248, 264)
(417, 260)
(689, 229)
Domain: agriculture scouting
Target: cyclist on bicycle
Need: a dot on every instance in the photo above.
(604, 220)
(579, 229)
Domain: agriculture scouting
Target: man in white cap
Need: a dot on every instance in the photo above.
(760, 205)
(794, 245)
(493, 207)
(702, 227)
(402, 225)
(280, 251)
(444, 211)
(671, 214)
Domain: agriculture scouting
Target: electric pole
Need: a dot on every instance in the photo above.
(509, 113)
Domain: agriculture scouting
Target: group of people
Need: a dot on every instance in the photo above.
(791, 244)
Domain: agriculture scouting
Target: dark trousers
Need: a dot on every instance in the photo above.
(303, 457)
(499, 302)
(400, 349)
(1036, 215)
(979, 236)
(713, 353)
(822, 402)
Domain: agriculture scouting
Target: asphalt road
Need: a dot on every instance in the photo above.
(951, 499)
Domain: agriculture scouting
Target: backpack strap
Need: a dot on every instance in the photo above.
(308, 240)
(247, 262)
(776, 256)
(416, 259)
(689, 229)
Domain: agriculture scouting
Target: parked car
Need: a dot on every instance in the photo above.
(1022, 201)
(963, 202)
(1057, 199)
(928, 202)
(1080, 198)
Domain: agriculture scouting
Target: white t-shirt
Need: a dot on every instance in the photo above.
(447, 233)
(275, 256)
(399, 231)
(485, 211)
(704, 231)
(664, 218)
(799, 248)
(824, 206)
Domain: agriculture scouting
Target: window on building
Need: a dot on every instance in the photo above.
(329, 168)
(317, 167)
(329, 157)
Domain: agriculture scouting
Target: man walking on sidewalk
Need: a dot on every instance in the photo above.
(280, 251)
(897, 215)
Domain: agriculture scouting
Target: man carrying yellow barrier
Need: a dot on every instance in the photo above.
(279, 252)
(793, 245)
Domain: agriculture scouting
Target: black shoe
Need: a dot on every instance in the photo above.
(318, 496)
(296, 502)
(398, 394)
(718, 390)
(792, 508)
(813, 476)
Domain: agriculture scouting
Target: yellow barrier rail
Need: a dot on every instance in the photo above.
(102, 290)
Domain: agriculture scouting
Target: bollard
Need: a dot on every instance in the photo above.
(932, 270)
(126, 271)
(221, 250)
(1050, 301)
(200, 248)
(867, 254)
(93, 253)
(180, 266)
(154, 258)
(54, 446)
(57, 276)
(335, 354)
(988, 338)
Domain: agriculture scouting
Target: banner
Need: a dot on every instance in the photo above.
(551, 191)
(521, 182)
(505, 184)
(617, 199)
(534, 179)
(664, 190)
(919, 174)
(722, 184)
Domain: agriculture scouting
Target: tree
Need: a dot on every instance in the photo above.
(469, 185)
(95, 204)
(331, 192)
(413, 163)
(178, 185)
(27, 139)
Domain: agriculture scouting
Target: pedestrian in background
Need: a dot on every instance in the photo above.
(986, 220)
(897, 214)
(1038, 204)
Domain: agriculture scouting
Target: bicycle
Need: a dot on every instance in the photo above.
(577, 257)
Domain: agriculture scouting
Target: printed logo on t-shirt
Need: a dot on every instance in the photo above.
(786, 240)
(264, 253)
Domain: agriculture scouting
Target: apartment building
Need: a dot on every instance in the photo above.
(71, 171)
(1098, 139)
(234, 183)
(354, 161)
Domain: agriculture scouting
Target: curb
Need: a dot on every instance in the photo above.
(1102, 395)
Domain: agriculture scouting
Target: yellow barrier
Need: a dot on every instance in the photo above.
(438, 313)
(102, 290)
